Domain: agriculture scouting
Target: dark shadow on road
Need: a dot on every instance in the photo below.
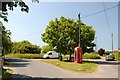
(105, 62)
(16, 62)
(24, 77)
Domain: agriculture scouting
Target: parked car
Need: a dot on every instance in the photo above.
(51, 54)
(110, 57)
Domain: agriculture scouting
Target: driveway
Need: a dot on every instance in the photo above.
(34, 68)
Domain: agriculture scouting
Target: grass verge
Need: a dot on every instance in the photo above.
(87, 67)
(6, 74)
(24, 56)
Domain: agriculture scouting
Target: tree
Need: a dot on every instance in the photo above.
(6, 40)
(63, 34)
(11, 5)
(25, 47)
(46, 48)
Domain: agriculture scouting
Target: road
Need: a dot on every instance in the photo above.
(36, 69)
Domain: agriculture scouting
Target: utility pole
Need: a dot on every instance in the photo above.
(79, 28)
(96, 44)
(112, 42)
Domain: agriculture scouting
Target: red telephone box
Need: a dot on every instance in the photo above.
(78, 55)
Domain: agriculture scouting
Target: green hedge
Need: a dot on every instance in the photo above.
(24, 56)
(117, 56)
(91, 56)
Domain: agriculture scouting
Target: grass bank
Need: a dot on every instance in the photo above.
(24, 56)
(87, 67)
(6, 74)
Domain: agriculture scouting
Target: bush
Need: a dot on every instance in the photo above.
(117, 55)
(106, 53)
(25, 56)
(91, 56)
(101, 52)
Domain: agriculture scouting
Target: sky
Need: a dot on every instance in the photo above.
(30, 26)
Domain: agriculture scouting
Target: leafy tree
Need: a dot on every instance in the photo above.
(25, 47)
(11, 5)
(63, 34)
(46, 48)
(5, 39)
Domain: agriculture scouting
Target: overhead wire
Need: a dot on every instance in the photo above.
(106, 18)
(92, 15)
(100, 11)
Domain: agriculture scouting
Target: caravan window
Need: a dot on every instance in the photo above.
(49, 53)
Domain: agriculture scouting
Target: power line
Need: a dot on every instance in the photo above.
(86, 17)
(100, 11)
(106, 18)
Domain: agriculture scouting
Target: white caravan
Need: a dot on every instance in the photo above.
(51, 54)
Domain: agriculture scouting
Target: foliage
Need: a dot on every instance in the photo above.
(117, 55)
(63, 34)
(6, 74)
(106, 53)
(101, 51)
(6, 62)
(46, 48)
(91, 56)
(12, 4)
(6, 40)
(87, 67)
(25, 47)
(24, 56)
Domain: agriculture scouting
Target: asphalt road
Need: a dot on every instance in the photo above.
(36, 69)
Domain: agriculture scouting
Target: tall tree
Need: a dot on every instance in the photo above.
(46, 48)
(63, 34)
(6, 40)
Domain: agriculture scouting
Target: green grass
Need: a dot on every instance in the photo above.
(77, 67)
(6, 74)
(24, 56)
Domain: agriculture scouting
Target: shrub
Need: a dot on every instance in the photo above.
(24, 56)
(117, 55)
(106, 53)
(101, 52)
(91, 56)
